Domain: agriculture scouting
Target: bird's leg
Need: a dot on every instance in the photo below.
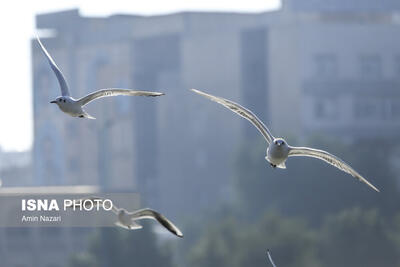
(273, 165)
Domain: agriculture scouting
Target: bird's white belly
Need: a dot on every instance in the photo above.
(125, 220)
(73, 110)
(275, 157)
(275, 161)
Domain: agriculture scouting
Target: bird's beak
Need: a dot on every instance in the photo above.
(53, 102)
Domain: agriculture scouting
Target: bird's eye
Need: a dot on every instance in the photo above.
(64, 100)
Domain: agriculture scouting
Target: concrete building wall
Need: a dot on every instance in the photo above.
(342, 82)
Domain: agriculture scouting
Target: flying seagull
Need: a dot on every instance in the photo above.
(128, 219)
(270, 258)
(74, 107)
(278, 149)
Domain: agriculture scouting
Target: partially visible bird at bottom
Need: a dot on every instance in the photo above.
(270, 258)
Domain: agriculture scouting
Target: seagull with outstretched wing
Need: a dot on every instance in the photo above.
(278, 149)
(128, 220)
(74, 107)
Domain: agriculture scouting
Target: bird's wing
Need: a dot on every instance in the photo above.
(270, 259)
(329, 158)
(152, 214)
(57, 71)
(77, 203)
(245, 113)
(114, 92)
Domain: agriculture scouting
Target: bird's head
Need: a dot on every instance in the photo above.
(122, 213)
(280, 142)
(59, 100)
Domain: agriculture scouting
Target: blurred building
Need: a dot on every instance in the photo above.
(14, 159)
(337, 63)
(328, 67)
(15, 168)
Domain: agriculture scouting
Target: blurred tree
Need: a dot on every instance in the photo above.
(194, 226)
(217, 245)
(119, 247)
(293, 243)
(357, 238)
(83, 260)
(393, 233)
(229, 243)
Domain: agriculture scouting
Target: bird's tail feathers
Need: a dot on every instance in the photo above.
(282, 165)
(88, 116)
(132, 226)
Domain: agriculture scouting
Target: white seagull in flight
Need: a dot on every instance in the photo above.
(278, 149)
(74, 107)
(270, 258)
(128, 219)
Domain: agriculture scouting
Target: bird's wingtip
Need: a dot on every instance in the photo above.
(200, 92)
(374, 187)
(178, 233)
(153, 94)
(38, 38)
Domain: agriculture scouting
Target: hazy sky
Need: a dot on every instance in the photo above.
(17, 22)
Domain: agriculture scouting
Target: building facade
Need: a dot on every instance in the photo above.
(342, 58)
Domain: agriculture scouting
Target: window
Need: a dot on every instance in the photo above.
(397, 66)
(370, 66)
(18, 232)
(378, 109)
(326, 109)
(369, 109)
(325, 65)
(394, 108)
(51, 232)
